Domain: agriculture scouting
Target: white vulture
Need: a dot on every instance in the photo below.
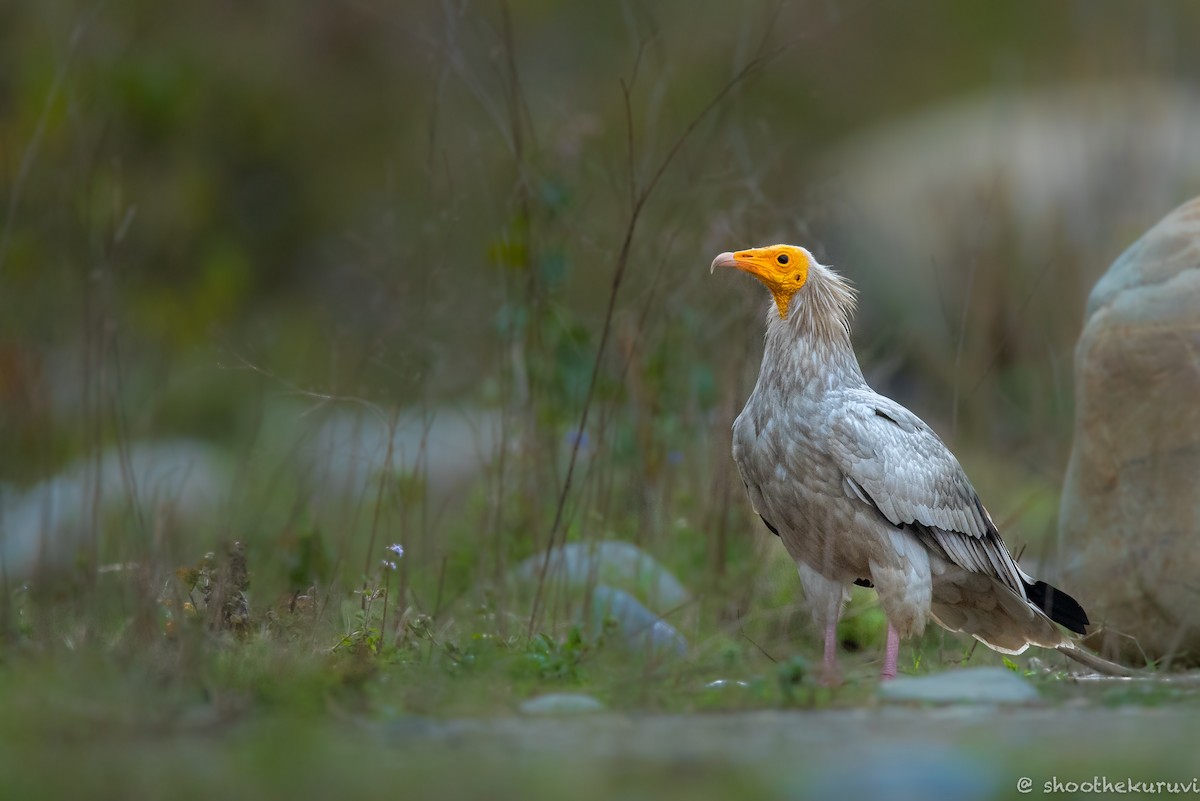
(861, 491)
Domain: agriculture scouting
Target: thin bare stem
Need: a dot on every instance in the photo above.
(384, 474)
(619, 268)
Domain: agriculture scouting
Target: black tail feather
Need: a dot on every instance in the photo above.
(1058, 606)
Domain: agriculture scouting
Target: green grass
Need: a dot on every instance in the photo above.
(313, 699)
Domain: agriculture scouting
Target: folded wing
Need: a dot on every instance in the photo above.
(891, 460)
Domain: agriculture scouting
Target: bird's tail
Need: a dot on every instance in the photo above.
(1096, 663)
(1058, 606)
(1066, 611)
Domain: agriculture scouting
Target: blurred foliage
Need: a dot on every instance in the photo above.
(361, 197)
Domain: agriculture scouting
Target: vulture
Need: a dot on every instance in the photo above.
(861, 491)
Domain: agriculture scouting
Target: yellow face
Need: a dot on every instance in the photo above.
(783, 269)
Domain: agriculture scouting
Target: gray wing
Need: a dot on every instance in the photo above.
(743, 449)
(891, 460)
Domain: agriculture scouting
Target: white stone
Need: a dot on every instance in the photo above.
(561, 704)
(985, 685)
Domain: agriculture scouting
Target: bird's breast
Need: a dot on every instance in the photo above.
(792, 481)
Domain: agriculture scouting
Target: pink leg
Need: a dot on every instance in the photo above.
(893, 651)
(832, 676)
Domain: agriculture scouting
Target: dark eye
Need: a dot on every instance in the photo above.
(782, 258)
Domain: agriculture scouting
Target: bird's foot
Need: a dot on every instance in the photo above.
(831, 676)
(891, 655)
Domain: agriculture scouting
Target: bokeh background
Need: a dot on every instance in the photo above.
(324, 277)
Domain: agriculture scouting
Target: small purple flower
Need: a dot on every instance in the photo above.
(386, 565)
(397, 549)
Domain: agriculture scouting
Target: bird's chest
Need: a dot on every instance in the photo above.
(780, 450)
(793, 482)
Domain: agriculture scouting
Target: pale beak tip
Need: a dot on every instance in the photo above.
(723, 260)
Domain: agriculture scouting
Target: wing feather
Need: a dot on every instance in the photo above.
(892, 460)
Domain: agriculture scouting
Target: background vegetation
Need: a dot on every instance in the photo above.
(471, 239)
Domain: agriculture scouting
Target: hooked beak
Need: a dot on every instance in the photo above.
(726, 259)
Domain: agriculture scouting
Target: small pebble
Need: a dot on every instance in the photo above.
(561, 704)
(985, 685)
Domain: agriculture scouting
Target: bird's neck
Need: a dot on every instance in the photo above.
(811, 348)
(810, 363)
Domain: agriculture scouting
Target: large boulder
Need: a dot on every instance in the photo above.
(1130, 514)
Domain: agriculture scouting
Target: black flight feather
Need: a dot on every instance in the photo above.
(1058, 606)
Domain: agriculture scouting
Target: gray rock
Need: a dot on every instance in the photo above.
(561, 704)
(181, 480)
(618, 564)
(1130, 514)
(985, 685)
(639, 628)
(583, 575)
(341, 452)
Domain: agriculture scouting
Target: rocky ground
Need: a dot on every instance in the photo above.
(974, 734)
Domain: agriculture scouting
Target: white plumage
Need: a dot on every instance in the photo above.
(859, 488)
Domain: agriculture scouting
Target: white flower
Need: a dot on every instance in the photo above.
(397, 549)
(386, 565)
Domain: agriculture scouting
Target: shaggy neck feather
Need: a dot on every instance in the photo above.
(814, 340)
